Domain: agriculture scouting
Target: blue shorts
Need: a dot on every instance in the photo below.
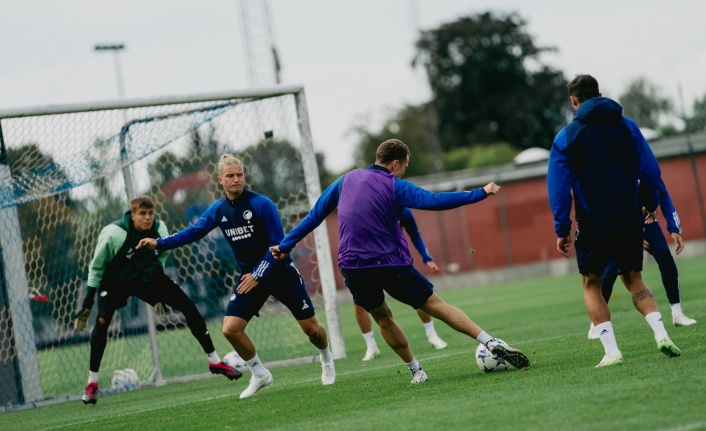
(284, 284)
(595, 249)
(404, 283)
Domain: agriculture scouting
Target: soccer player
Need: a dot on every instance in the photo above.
(410, 225)
(250, 223)
(657, 246)
(606, 162)
(373, 254)
(118, 271)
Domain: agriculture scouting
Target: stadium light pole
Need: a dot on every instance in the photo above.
(116, 48)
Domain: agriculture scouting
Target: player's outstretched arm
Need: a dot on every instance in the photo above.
(147, 242)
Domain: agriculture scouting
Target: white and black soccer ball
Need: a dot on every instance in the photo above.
(488, 362)
(123, 379)
(234, 360)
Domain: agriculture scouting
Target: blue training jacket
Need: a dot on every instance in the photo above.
(250, 224)
(602, 157)
(409, 224)
(668, 210)
(370, 203)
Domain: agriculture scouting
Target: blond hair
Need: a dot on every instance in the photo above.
(227, 160)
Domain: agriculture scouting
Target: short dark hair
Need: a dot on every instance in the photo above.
(583, 87)
(391, 150)
(142, 202)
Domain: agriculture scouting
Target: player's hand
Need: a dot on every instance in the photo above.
(147, 242)
(433, 266)
(650, 217)
(563, 245)
(247, 283)
(159, 308)
(645, 245)
(678, 241)
(491, 188)
(277, 254)
(80, 319)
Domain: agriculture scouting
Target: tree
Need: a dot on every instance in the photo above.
(697, 122)
(643, 103)
(483, 89)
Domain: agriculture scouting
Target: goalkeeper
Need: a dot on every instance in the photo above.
(119, 271)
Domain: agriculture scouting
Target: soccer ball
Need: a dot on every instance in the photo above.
(123, 379)
(488, 362)
(234, 360)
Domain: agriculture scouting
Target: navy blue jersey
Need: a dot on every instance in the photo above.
(250, 224)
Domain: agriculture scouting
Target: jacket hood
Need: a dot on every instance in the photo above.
(599, 110)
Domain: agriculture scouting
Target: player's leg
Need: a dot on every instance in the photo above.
(610, 274)
(659, 249)
(645, 303)
(593, 252)
(412, 288)
(163, 289)
(363, 318)
(459, 321)
(366, 286)
(240, 309)
(109, 300)
(291, 292)
(432, 336)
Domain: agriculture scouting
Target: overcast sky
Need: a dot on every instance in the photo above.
(353, 58)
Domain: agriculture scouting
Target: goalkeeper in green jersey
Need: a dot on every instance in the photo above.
(118, 271)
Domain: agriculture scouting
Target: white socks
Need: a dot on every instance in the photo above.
(326, 356)
(369, 338)
(607, 336)
(92, 376)
(413, 366)
(655, 321)
(676, 309)
(429, 328)
(256, 367)
(213, 358)
(483, 338)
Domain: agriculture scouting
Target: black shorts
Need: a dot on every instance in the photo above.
(595, 249)
(284, 284)
(404, 283)
(113, 295)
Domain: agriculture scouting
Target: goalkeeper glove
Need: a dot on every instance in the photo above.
(81, 317)
(159, 308)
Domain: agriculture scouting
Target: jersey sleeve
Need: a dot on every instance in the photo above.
(668, 210)
(560, 178)
(327, 202)
(193, 233)
(110, 239)
(648, 170)
(412, 196)
(409, 224)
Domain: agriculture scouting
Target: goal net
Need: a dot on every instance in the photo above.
(66, 172)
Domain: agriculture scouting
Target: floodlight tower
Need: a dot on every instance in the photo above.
(115, 48)
(258, 36)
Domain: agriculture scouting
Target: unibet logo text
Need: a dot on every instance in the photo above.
(240, 232)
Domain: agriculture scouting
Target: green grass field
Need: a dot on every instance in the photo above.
(544, 317)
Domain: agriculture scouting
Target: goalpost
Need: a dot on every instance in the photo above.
(67, 171)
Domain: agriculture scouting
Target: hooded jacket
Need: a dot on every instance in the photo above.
(603, 159)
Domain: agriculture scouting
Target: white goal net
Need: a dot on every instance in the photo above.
(67, 171)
